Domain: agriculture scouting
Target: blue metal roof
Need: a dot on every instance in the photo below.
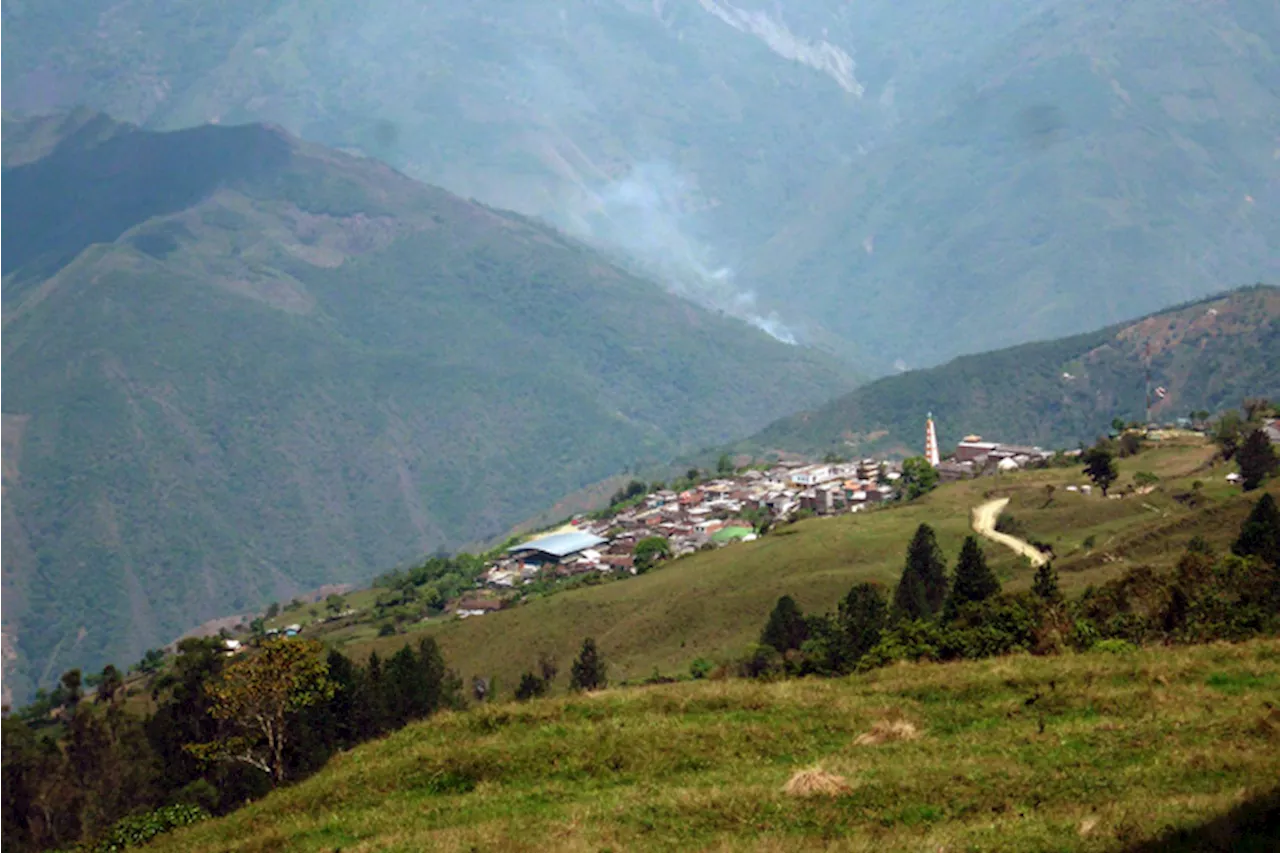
(561, 544)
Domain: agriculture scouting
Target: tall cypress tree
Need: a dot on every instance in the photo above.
(974, 579)
(1260, 534)
(786, 628)
(588, 672)
(862, 617)
(1257, 459)
(923, 588)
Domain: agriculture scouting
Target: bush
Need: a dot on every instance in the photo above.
(137, 830)
(1114, 647)
(386, 630)
(760, 661)
(701, 668)
(1010, 525)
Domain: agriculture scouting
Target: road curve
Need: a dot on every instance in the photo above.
(984, 524)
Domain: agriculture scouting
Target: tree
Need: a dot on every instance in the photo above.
(110, 684)
(918, 477)
(273, 610)
(1260, 533)
(725, 464)
(1100, 466)
(862, 616)
(589, 671)
(974, 580)
(530, 687)
(255, 697)
(1256, 458)
(1255, 408)
(1045, 585)
(1117, 425)
(1227, 432)
(923, 587)
(71, 686)
(649, 551)
(335, 604)
(786, 628)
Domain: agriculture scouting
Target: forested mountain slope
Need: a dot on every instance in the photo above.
(1207, 355)
(238, 366)
(904, 181)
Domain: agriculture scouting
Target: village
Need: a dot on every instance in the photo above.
(732, 507)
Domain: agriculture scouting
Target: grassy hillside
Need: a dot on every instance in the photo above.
(1206, 355)
(713, 604)
(1164, 749)
(239, 366)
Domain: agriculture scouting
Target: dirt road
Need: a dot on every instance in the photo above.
(984, 524)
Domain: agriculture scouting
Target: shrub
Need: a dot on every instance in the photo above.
(1114, 647)
(701, 668)
(137, 830)
(760, 662)
(386, 630)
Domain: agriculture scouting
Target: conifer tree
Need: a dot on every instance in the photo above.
(1257, 459)
(1100, 466)
(974, 580)
(861, 618)
(923, 588)
(1260, 534)
(786, 628)
(589, 671)
(1045, 585)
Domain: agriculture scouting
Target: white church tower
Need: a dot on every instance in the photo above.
(931, 442)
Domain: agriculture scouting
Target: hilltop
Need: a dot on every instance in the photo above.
(1207, 355)
(905, 181)
(239, 366)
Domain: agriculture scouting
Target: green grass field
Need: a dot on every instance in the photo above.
(1092, 752)
(713, 604)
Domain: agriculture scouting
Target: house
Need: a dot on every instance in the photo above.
(974, 449)
(477, 607)
(555, 548)
(950, 470)
(812, 475)
(1272, 430)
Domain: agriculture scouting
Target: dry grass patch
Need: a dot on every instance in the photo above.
(816, 782)
(892, 728)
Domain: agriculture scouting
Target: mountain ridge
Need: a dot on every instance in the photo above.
(303, 368)
(1208, 354)
(986, 175)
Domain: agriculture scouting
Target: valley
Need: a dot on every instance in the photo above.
(241, 366)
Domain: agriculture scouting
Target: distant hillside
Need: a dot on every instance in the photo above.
(1206, 355)
(238, 366)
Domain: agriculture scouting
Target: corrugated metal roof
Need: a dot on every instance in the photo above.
(561, 544)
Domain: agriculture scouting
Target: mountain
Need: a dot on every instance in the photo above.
(238, 366)
(900, 182)
(1206, 355)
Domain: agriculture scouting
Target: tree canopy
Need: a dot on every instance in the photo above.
(1100, 466)
(786, 628)
(974, 581)
(923, 588)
